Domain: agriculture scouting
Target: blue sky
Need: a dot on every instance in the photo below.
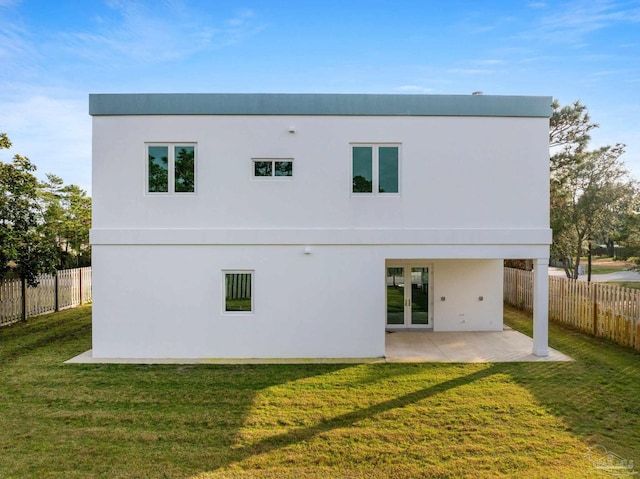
(54, 53)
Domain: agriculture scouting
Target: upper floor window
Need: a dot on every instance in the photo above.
(171, 168)
(272, 167)
(375, 168)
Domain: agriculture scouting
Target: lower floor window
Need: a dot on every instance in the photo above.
(238, 291)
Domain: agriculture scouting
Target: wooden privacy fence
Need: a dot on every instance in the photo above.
(238, 285)
(603, 310)
(65, 289)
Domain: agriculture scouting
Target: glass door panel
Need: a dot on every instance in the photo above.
(408, 297)
(419, 296)
(395, 296)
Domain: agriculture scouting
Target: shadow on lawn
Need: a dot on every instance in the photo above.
(174, 419)
(39, 334)
(349, 419)
(596, 395)
(599, 404)
(95, 419)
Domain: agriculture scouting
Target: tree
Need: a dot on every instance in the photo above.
(569, 128)
(185, 171)
(77, 222)
(590, 191)
(596, 190)
(5, 143)
(158, 173)
(67, 220)
(23, 250)
(52, 225)
(628, 237)
(362, 185)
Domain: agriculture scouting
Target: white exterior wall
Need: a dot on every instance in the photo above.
(472, 191)
(461, 283)
(170, 303)
(167, 301)
(455, 172)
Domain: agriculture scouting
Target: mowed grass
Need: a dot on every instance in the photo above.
(597, 269)
(606, 265)
(534, 420)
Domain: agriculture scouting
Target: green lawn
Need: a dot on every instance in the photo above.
(598, 269)
(605, 265)
(534, 420)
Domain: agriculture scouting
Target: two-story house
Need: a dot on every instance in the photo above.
(307, 225)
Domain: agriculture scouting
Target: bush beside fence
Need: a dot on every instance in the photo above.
(602, 310)
(65, 289)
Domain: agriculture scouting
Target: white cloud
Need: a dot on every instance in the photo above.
(17, 54)
(477, 22)
(470, 71)
(609, 73)
(158, 32)
(490, 62)
(483, 29)
(12, 44)
(575, 20)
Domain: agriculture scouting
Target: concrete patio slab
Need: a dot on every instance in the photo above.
(87, 358)
(464, 347)
(410, 346)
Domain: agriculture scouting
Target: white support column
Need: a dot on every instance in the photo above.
(541, 307)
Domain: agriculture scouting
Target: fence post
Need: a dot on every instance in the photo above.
(56, 303)
(24, 299)
(80, 284)
(595, 308)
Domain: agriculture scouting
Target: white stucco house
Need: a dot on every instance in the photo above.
(307, 225)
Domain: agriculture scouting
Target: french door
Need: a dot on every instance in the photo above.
(408, 297)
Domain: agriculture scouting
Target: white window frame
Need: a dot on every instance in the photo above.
(225, 272)
(375, 174)
(273, 169)
(172, 167)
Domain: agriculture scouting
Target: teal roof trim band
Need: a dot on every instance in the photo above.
(317, 104)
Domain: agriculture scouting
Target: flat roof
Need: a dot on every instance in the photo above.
(109, 104)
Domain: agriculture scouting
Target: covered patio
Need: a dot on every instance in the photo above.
(464, 347)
